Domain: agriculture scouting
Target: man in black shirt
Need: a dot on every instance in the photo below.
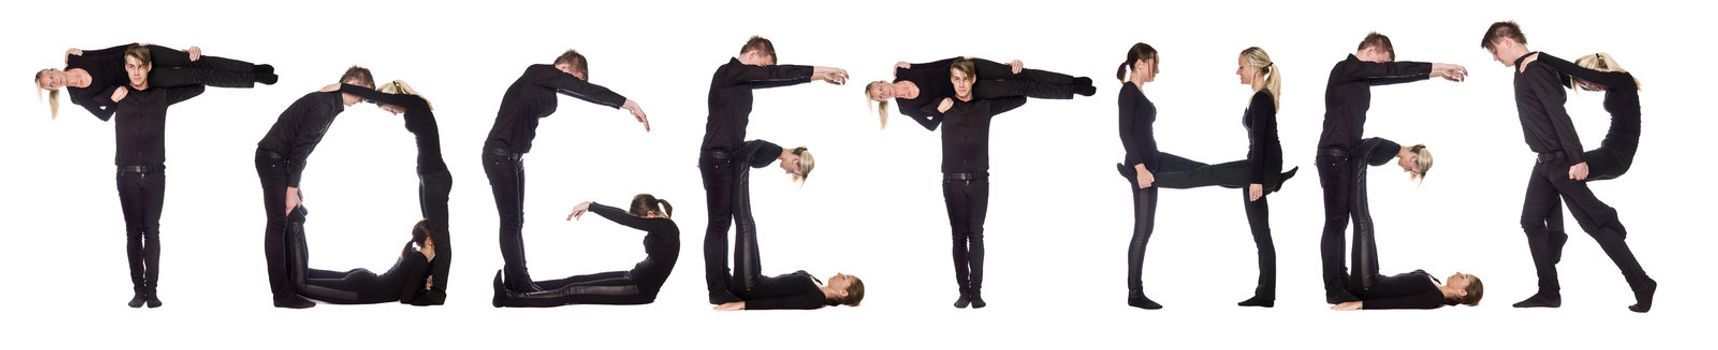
(1560, 172)
(140, 123)
(280, 160)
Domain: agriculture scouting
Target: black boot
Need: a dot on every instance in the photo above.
(499, 290)
(1643, 296)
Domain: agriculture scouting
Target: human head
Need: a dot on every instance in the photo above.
(798, 163)
(1141, 61)
(1256, 69)
(359, 76)
(880, 92)
(137, 66)
(849, 290)
(50, 80)
(1469, 290)
(1600, 62)
(1416, 162)
(1376, 48)
(572, 62)
(758, 52)
(398, 87)
(645, 205)
(421, 233)
(962, 74)
(1505, 42)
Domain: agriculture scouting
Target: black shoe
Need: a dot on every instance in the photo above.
(977, 300)
(137, 300)
(963, 301)
(263, 69)
(294, 302)
(1542, 299)
(1258, 301)
(499, 290)
(267, 78)
(152, 300)
(1643, 296)
(1140, 301)
(1284, 179)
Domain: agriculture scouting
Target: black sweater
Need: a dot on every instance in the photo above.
(142, 124)
(934, 85)
(794, 291)
(299, 128)
(1348, 95)
(1264, 150)
(420, 121)
(1376, 151)
(661, 245)
(532, 97)
(1539, 98)
(1622, 100)
(106, 68)
(1413, 290)
(1137, 113)
(966, 134)
(730, 99)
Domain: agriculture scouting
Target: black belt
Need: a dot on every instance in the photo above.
(140, 169)
(270, 154)
(1333, 152)
(964, 176)
(1547, 156)
(718, 155)
(505, 154)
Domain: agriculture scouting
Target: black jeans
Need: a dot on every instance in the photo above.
(967, 200)
(1365, 250)
(506, 171)
(272, 171)
(1541, 220)
(1145, 212)
(140, 197)
(433, 190)
(1030, 83)
(720, 185)
(1336, 174)
(171, 70)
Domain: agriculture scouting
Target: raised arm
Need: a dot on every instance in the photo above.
(1617, 80)
(409, 102)
(759, 77)
(1386, 73)
(567, 84)
(620, 217)
(926, 115)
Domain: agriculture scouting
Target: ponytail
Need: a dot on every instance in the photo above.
(1139, 52)
(644, 203)
(882, 106)
(53, 95)
(667, 209)
(1423, 162)
(1258, 59)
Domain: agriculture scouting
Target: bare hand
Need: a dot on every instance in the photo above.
(1145, 177)
(330, 88)
(429, 282)
(195, 53)
(837, 76)
(293, 199)
(637, 112)
(1016, 66)
(72, 52)
(1254, 192)
(1348, 306)
(903, 65)
(1578, 172)
(731, 306)
(119, 94)
(579, 211)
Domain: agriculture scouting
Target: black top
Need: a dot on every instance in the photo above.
(757, 154)
(730, 99)
(106, 68)
(1413, 290)
(661, 244)
(1348, 95)
(300, 128)
(142, 123)
(407, 277)
(1264, 150)
(532, 97)
(796, 291)
(1539, 98)
(934, 85)
(1376, 151)
(1137, 113)
(419, 120)
(966, 134)
(1622, 100)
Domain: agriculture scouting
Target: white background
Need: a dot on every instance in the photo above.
(1059, 215)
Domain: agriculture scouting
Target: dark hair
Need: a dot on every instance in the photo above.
(141, 53)
(758, 43)
(1380, 42)
(855, 294)
(1502, 30)
(1139, 52)
(576, 60)
(1475, 291)
(645, 203)
(420, 231)
(359, 74)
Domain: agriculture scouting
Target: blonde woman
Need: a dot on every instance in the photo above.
(91, 76)
(1600, 72)
(918, 88)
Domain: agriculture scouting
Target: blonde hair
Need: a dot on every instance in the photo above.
(1600, 62)
(1423, 161)
(805, 164)
(400, 87)
(882, 107)
(53, 95)
(1258, 59)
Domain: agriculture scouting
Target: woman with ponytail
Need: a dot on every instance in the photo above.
(1600, 72)
(636, 286)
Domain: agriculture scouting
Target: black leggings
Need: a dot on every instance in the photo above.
(172, 68)
(967, 201)
(1236, 175)
(719, 190)
(506, 173)
(433, 190)
(1365, 250)
(140, 197)
(1145, 212)
(1541, 220)
(611, 288)
(1030, 83)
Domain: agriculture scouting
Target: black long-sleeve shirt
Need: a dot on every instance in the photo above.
(934, 85)
(407, 276)
(532, 97)
(1539, 98)
(299, 128)
(1348, 95)
(420, 121)
(966, 133)
(757, 154)
(1136, 114)
(1376, 151)
(106, 68)
(730, 100)
(661, 244)
(1264, 149)
(794, 291)
(142, 123)
(1622, 100)
(1412, 290)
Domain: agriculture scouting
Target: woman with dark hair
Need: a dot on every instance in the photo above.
(90, 76)
(409, 281)
(636, 286)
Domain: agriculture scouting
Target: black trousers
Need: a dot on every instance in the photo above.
(1336, 174)
(1237, 174)
(1145, 212)
(1365, 250)
(967, 201)
(171, 70)
(1540, 214)
(608, 288)
(272, 172)
(433, 189)
(506, 171)
(720, 187)
(140, 197)
(1030, 83)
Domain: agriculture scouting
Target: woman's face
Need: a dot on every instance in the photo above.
(137, 71)
(1409, 164)
(790, 164)
(396, 110)
(962, 84)
(1147, 69)
(840, 281)
(1246, 72)
(428, 247)
(1459, 281)
(880, 90)
(51, 79)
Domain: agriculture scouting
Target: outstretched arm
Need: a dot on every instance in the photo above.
(1617, 80)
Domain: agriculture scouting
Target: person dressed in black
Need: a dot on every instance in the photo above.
(730, 108)
(636, 286)
(1599, 72)
(409, 281)
(91, 76)
(140, 125)
(1413, 290)
(1347, 97)
(434, 180)
(280, 161)
(530, 98)
(1560, 173)
(919, 88)
(797, 290)
(1258, 175)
